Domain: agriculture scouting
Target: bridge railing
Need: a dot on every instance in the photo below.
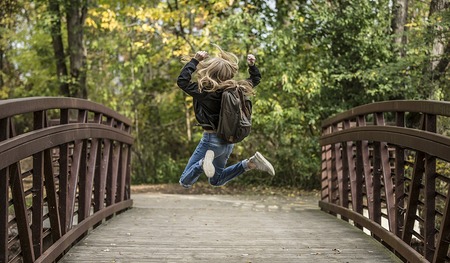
(386, 169)
(64, 168)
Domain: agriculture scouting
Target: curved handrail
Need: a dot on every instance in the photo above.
(387, 178)
(57, 182)
(424, 106)
(431, 143)
(19, 106)
(19, 147)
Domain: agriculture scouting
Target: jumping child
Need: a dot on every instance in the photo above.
(214, 75)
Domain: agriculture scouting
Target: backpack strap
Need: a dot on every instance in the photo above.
(243, 98)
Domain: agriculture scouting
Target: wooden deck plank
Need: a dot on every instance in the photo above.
(204, 228)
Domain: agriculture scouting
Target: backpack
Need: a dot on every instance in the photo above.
(235, 120)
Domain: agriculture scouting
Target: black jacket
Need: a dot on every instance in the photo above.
(207, 104)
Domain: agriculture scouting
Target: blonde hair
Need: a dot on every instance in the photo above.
(217, 73)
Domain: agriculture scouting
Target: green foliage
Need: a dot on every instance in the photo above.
(316, 57)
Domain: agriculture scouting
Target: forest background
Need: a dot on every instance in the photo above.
(317, 58)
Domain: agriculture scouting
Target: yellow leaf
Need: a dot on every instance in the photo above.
(104, 25)
(147, 28)
(90, 22)
(412, 24)
(138, 44)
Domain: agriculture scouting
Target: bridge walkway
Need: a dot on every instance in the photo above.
(225, 228)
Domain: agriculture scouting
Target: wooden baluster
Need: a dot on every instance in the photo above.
(100, 181)
(126, 151)
(37, 190)
(111, 185)
(78, 167)
(87, 182)
(64, 178)
(414, 193)
(430, 195)
(120, 157)
(52, 196)
(343, 173)
(336, 171)
(443, 239)
(123, 168)
(350, 170)
(128, 174)
(4, 197)
(399, 180)
(376, 183)
(329, 173)
(20, 208)
(387, 176)
(74, 174)
(363, 166)
(326, 168)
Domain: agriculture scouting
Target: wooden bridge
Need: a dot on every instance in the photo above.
(65, 173)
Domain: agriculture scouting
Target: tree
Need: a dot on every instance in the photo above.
(7, 12)
(399, 19)
(58, 47)
(440, 50)
(76, 11)
(316, 57)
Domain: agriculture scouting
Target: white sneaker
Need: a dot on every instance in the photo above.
(262, 164)
(208, 166)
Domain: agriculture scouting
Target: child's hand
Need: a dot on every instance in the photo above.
(251, 59)
(201, 55)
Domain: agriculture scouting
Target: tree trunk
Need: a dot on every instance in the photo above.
(3, 8)
(438, 45)
(399, 18)
(1, 64)
(76, 11)
(8, 9)
(439, 52)
(58, 48)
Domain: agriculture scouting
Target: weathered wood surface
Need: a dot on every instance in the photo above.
(206, 228)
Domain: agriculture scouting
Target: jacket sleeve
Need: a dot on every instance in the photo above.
(184, 79)
(255, 75)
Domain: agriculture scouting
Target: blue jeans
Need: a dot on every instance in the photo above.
(222, 151)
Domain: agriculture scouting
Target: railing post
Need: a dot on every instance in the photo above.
(342, 179)
(326, 168)
(52, 196)
(376, 183)
(64, 178)
(355, 179)
(4, 197)
(363, 166)
(399, 180)
(87, 181)
(100, 181)
(334, 170)
(328, 171)
(122, 174)
(37, 191)
(430, 194)
(20, 208)
(128, 175)
(414, 193)
(111, 185)
(387, 176)
(443, 240)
